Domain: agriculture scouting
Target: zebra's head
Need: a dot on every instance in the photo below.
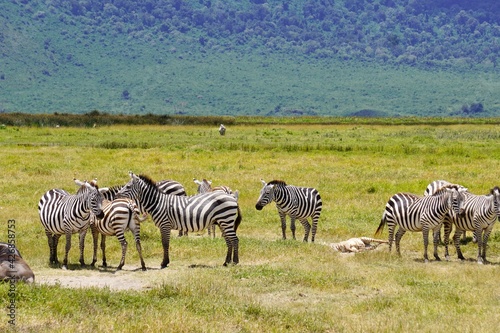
(495, 192)
(204, 186)
(132, 189)
(93, 195)
(266, 195)
(457, 198)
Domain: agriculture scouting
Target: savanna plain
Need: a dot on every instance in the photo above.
(279, 285)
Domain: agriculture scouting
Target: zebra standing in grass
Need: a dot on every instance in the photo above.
(430, 190)
(297, 202)
(420, 214)
(193, 213)
(64, 214)
(120, 215)
(480, 214)
(166, 186)
(205, 186)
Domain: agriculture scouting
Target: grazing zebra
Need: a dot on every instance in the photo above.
(430, 190)
(480, 214)
(120, 215)
(205, 186)
(222, 130)
(64, 214)
(193, 213)
(166, 186)
(297, 202)
(413, 213)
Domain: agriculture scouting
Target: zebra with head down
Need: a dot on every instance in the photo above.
(205, 186)
(298, 202)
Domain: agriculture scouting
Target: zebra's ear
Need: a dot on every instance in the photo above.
(263, 182)
(78, 182)
(196, 181)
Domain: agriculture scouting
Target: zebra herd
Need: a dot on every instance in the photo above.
(110, 211)
(443, 204)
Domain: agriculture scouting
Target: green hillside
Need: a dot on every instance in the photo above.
(334, 58)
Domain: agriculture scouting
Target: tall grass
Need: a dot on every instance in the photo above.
(279, 285)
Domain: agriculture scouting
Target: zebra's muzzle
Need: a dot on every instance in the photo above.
(258, 207)
(100, 215)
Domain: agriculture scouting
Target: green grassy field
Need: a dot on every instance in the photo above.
(279, 286)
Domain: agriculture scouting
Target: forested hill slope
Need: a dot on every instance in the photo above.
(257, 57)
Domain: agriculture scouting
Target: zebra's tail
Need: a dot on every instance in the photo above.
(238, 220)
(381, 226)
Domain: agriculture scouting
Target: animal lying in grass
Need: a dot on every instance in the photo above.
(13, 266)
(357, 244)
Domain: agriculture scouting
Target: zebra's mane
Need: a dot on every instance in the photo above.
(83, 187)
(444, 187)
(277, 182)
(148, 181)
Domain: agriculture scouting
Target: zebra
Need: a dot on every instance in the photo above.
(297, 202)
(166, 186)
(413, 213)
(480, 215)
(64, 214)
(205, 186)
(193, 213)
(430, 190)
(222, 130)
(119, 215)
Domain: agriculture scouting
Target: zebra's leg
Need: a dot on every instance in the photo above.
(229, 253)
(95, 239)
(52, 247)
(83, 233)
(425, 234)
(314, 228)
(283, 225)
(103, 249)
(456, 242)
(124, 245)
(66, 249)
(436, 234)
(447, 231)
(478, 233)
(399, 235)
(165, 242)
(213, 230)
(55, 240)
(236, 258)
(485, 243)
(307, 228)
(391, 236)
(136, 230)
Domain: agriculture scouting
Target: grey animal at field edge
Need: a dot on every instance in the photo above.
(13, 266)
(222, 130)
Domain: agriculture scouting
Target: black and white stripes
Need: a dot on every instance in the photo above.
(64, 214)
(420, 214)
(186, 213)
(297, 202)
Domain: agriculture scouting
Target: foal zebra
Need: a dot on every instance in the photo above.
(120, 215)
(480, 214)
(64, 214)
(413, 213)
(186, 213)
(205, 186)
(297, 202)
